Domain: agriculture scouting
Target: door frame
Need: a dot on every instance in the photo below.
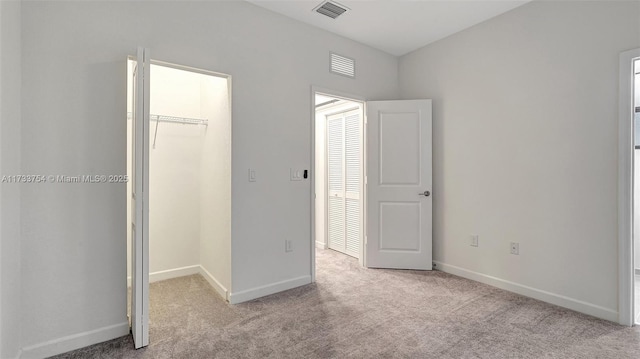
(626, 246)
(354, 98)
(139, 271)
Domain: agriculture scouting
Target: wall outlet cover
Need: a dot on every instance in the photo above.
(473, 240)
(515, 248)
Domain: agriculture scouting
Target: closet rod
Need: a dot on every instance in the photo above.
(181, 120)
(174, 119)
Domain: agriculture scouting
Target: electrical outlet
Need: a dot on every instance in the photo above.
(288, 245)
(473, 240)
(515, 248)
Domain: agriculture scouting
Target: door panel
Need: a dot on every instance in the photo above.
(400, 226)
(352, 230)
(399, 151)
(140, 202)
(399, 216)
(344, 156)
(336, 223)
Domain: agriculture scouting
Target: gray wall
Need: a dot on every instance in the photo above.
(525, 145)
(10, 85)
(74, 81)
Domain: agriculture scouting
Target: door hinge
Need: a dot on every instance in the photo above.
(365, 240)
(366, 180)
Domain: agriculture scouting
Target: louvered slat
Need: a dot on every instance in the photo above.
(334, 154)
(336, 223)
(344, 171)
(352, 153)
(352, 227)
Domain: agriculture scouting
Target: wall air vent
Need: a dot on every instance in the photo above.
(331, 9)
(341, 65)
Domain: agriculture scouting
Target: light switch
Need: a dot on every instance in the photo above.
(295, 175)
(252, 175)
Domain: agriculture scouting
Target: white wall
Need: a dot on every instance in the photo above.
(10, 93)
(215, 186)
(74, 82)
(174, 171)
(525, 146)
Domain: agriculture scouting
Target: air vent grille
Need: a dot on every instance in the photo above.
(331, 9)
(342, 65)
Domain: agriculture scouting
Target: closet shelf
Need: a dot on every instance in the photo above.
(171, 119)
(174, 119)
(181, 120)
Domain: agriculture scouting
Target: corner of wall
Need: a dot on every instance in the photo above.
(10, 252)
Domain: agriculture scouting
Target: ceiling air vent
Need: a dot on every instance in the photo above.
(342, 65)
(331, 9)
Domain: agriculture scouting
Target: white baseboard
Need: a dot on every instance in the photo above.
(81, 340)
(224, 293)
(75, 341)
(253, 293)
(557, 299)
(173, 273)
(321, 245)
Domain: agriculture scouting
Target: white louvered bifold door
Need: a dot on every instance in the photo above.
(335, 170)
(344, 169)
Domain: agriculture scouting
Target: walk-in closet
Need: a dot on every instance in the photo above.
(189, 161)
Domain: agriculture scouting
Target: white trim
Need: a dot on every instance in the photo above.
(253, 293)
(321, 245)
(185, 271)
(553, 298)
(75, 341)
(224, 293)
(312, 189)
(625, 189)
(190, 69)
(173, 273)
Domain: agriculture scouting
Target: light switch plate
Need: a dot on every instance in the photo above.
(252, 175)
(473, 240)
(295, 174)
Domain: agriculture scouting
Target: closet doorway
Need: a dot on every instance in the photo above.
(339, 174)
(187, 139)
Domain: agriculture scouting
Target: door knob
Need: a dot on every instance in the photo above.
(425, 193)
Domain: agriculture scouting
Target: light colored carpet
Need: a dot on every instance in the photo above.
(352, 312)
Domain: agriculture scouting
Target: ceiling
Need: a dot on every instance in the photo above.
(395, 26)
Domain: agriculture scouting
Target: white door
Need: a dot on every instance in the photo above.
(399, 200)
(344, 204)
(140, 202)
